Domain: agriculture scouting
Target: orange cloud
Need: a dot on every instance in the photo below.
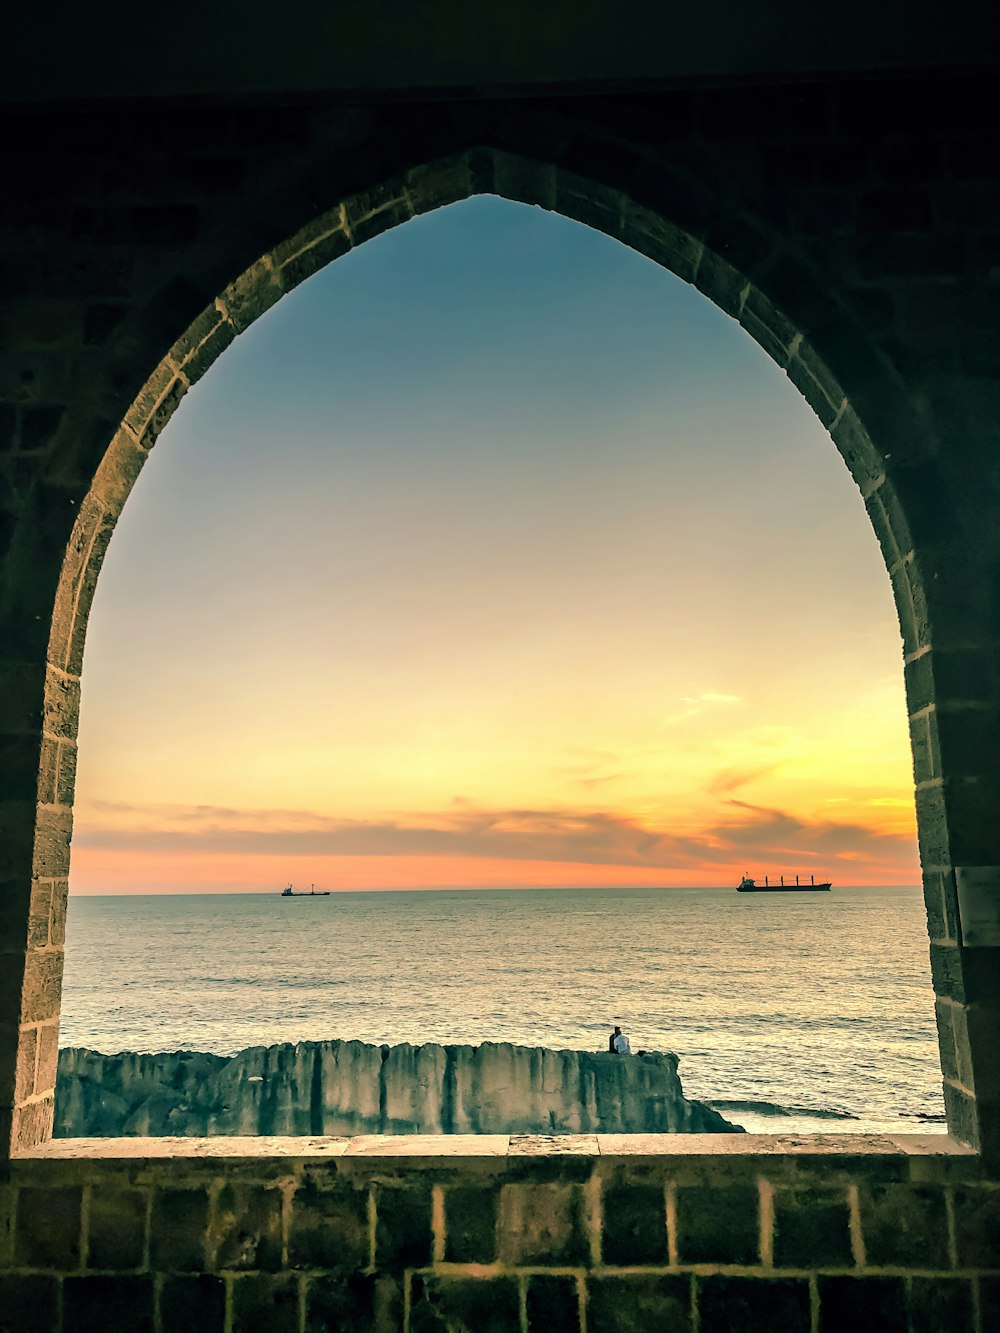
(464, 845)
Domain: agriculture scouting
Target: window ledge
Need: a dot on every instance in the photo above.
(684, 1146)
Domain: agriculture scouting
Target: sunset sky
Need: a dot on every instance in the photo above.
(492, 555)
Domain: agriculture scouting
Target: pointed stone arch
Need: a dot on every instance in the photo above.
(166, 339)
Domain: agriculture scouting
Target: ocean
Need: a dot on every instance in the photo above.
(790, 1013)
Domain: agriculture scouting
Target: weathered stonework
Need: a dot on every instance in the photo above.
(849, 218)
(849, 231)
(632, 1233)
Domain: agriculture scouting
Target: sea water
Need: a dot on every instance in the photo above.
(796, 1012)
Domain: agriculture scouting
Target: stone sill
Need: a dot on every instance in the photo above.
(427, 1147)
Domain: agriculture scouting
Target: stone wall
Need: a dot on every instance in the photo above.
(593, 1234)
(353, 1087)
(851, 226)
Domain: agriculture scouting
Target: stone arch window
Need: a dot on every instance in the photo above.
(819, 329)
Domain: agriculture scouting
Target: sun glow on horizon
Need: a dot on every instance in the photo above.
(492, 556)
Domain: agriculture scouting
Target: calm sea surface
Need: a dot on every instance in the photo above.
(811, 1003)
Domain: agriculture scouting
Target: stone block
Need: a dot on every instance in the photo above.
(246, 1226)
(32, 1124)
(924, 747)
(441, 1304)
(31, 761)
(365, 228)
(39, 911)
(116, 1228)
(117, 474)
(978, 892)
(946, 971)
(989, 1304)
(97, 1304)
(963, 1115)
(525, 180)
(942, 1303)
(206, 345)
(753, 1305)
(718, 1226)
(57, 918)
(941, 902)
(43, 972)
(947, 1044)
(48, 1228)
(974, 837)
(591, 205)
(403, 1237)
(351, 1303)
(552, 1305)
(634, 1229)
(24, 1069)
(812, 1229)
(977, 1039)
(28, 1303)
(328, 1227)
(977, 1226)
(543, 1224)
(847, 1303)
(263, 1303)
(904, 1225)
(48, 1058)
(968, 742)
(196, 1302)
(252, 293)
(311, 258)
(53, 828)
(178, 1231)
(443, 182)
(62, 705)
(470, 1224)
(945, 676)
(639, 1303)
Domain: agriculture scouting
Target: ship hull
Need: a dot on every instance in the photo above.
(785, 888)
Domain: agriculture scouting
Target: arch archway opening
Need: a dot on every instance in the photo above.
(259, 288)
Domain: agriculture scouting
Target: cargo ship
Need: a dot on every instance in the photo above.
(289, 892)
(748, 885)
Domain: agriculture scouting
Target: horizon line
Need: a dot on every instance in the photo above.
(448, 888)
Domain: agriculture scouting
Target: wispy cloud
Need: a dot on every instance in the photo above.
(771, 836)
(728, 780)
(694, 705)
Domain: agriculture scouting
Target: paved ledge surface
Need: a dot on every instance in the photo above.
(504, 1145)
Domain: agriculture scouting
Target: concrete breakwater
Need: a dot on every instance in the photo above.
(352, 1087)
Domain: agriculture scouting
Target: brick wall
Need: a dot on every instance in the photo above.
(605, 1234)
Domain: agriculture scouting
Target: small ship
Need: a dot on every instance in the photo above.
(289, 892)
(748, 885)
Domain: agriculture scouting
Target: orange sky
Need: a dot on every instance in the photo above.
(570, 589)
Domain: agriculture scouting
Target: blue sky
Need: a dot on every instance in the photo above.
(493, 553)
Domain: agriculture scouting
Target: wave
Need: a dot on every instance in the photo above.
(777, 1109)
